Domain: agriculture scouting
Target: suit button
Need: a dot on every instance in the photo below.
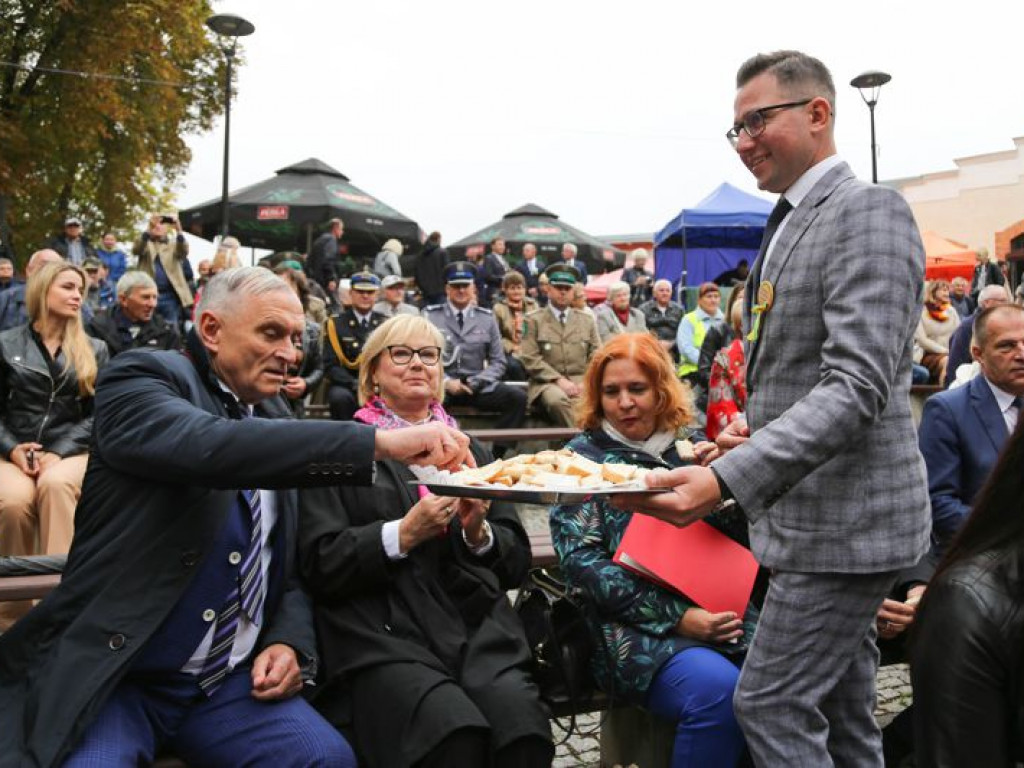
(209, 615)
(235, 558)
(189, 558)
(116, 642)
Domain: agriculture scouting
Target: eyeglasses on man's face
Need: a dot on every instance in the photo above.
(400, 354)
(755, 121)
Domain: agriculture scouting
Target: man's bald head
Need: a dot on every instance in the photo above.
(993, 295)
(39, 258)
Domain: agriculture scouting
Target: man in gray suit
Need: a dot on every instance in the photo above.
(828, 472)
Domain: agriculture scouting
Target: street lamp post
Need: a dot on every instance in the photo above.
(227, 25)
(869, 84)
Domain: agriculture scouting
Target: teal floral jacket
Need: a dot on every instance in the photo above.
(632, 619)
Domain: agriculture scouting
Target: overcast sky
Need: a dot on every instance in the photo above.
(610, 114)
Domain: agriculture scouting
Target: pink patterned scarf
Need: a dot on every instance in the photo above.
(377, 414)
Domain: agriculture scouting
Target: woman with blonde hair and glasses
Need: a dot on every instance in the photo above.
(424, 661)
(47, 379)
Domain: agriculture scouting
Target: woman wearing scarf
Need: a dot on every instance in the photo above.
(938, 321)
(424, 661)
(654, 648)
(615, 316)
(511, 314)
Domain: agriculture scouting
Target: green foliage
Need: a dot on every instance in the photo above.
(106, 149)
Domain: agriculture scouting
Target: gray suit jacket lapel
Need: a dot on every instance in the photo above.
(796, 227)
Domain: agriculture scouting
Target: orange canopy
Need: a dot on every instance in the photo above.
(946, 259)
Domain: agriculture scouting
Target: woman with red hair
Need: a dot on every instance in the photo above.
(655, 648)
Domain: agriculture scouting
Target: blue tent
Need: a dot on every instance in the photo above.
(714, 236)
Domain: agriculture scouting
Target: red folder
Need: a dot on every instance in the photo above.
(698, 561)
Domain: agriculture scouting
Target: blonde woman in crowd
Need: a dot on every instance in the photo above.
(48, 373)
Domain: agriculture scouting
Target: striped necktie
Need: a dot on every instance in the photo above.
(246, 597)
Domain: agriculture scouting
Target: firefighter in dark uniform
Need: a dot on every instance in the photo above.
(474, 360)
(343, 346)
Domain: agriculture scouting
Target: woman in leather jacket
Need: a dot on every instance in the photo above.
(47, 378)
(967, 666)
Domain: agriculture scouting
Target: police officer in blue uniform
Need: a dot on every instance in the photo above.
(343, 346)
(474, 360)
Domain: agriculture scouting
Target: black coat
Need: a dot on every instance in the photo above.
(429, 270)
(967, 664)
(322, 264)
(164, 472)
(34, 407)
(412, 626)
(155, 334)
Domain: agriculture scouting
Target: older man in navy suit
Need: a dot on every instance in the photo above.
(962, 430)
(179, 623)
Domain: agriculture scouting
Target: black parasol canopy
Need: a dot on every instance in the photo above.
(533, 224)
(288, 211)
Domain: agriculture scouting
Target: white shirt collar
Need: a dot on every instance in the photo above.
(799, 189)
(467, 312)
(361, 317)
(224, 387)
(1003, 398)
(558, 312)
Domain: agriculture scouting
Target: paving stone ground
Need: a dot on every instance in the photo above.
(585, 751)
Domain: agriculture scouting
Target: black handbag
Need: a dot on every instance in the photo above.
(555, 621)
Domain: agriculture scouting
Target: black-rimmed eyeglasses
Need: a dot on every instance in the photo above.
(402, 355)
(755, 121)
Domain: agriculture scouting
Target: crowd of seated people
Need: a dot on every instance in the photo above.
(407, 586)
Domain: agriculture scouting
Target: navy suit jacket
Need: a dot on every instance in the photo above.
(531, 280)
(961, 434)
(165, 468)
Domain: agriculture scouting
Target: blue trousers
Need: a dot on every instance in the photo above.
(694, 689)
(229, 729)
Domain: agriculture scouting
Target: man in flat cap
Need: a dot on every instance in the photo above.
(558, 343)
(346, 335)
(71, 244)
(474, 359)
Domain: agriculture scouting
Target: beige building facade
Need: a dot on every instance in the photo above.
(980, 203)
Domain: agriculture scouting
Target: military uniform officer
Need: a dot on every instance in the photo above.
(474, 359)
(346, 334)
(558, 343)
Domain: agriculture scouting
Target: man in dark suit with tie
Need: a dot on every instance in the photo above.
(178, 623)
(963, 430)
(569, 252)
(492, 272)
(531, 268)
(828, 471)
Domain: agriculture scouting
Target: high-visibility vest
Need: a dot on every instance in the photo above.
(699, 332)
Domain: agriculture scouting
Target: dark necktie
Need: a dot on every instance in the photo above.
(246, 597)
(561, 317)
(461, 319)
(778, 213)
(366, 323)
